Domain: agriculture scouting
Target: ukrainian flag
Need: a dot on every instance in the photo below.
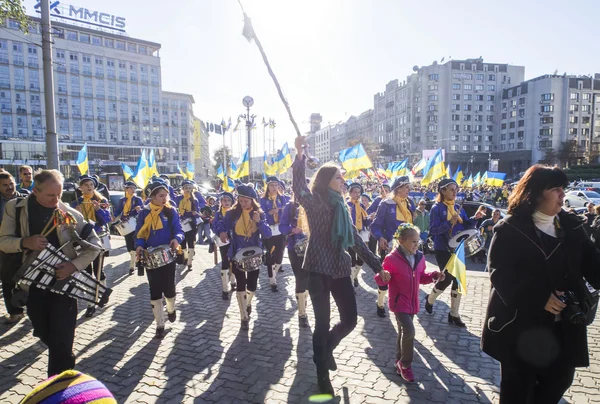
(355, 158)
(220, 173)
(232, 167)
(448, 172)
(435, 169)
(127, 171)
(469, 182)
(228, 185)
(458, 175)
(419, 166)
(496, 179)
(397, 168)
(484, 178)
(457, 268)
(190, 170)
(82, 160)
(476, 180)
(270, 168)
(152, 166)
(243, 167)
(283, 161)
(181, 171)
(140, 177)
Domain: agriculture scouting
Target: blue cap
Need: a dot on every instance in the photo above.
(84, 178)
(271, 179)
(367, 196)
(228, 195)
(400, 181)
(247, 191)
(187, 182)
(130, 184)
(445, 182)
(157, 184)
(356, 185)
(281, 183)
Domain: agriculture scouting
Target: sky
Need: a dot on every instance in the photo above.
(332, 56)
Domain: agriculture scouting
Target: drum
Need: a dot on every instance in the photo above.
(274, 230)
(249, 258)
(300, 246)
(364, 234)
(39, 270)
(159, 256)
(186, 224)
(218, 242)
(104, 237)
(125, 226)
(473, 239)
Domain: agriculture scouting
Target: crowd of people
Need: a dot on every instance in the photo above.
(331, 229)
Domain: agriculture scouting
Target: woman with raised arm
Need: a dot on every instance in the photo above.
(327, 260)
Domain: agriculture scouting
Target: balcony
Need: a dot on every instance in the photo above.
(99, 75)
(74, 70)
(61, 69)
(19, 86)
(111, 75)
(33, 65)
(18, 63)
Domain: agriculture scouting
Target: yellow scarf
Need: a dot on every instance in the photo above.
(402, 212)
(151, 222)
(360, 215)
(223, 211)
(274, 199)
(87, 208)
(451, 211)
(127, 206)
(185, 205)
(245, 226)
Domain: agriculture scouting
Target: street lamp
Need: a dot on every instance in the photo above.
(248, 102)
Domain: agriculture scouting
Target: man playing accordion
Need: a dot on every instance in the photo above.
(31, 224)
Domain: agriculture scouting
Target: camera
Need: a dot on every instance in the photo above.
(573, 312)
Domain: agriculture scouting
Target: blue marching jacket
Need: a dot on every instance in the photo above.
(195, 207)
(162, 236)
(135, 201)
(366, 222)
(440, 227)
(200, 199)
(288, 221)
(102, 215)
(238, 242)
(385, 223)
(266, 205)
(373, 206)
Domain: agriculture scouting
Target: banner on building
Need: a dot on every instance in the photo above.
(197, 139)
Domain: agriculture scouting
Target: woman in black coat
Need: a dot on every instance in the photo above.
(538, 255)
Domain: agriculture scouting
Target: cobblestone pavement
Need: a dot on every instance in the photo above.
(206, 358)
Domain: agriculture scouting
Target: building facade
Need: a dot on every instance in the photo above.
(322, 143)
(108, 94)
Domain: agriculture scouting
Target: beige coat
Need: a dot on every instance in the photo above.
(9, 243)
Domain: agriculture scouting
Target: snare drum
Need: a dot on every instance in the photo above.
(159, 256)
(473, 239)
(300, 246)
(125, 226)
(104, 237)
(186, 224)
(249, 258)
(274, 230)
(364, 234)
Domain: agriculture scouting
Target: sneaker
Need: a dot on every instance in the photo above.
(406, 373)
(280, 269)
(244, 326)
(13, 318)
(130, 271)
(90, 311)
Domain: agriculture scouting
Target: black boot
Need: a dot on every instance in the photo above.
(172, 316)
(90, 311)
(456, 321)
(324, 383)
(428, 307)
(303, 322)
(381, 311)
(225, 296)
(160, 333)
(331, 365)
(245, 325)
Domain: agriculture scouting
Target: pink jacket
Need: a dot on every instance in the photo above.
(404, 284)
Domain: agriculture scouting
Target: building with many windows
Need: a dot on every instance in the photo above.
(322, 143)
(108, 94)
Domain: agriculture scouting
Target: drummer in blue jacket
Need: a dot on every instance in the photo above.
(385, 190)
(361, 220)
(127, 209)
(247, 226)
(447, 218)
(226, 202)
(189, 209)
(394, 210)
(158, 225)
(94, 208)
(272, 203)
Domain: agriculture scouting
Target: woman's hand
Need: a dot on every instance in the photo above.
(554, 305)
(138, 208)
(138, 252)
(383, 244)
(385, 275)
(296, 230)
(174, 244)
(300, 142)
(256, 216)
(439, 276)
(454, 219)
(223, 237)
(479, 215)
(96, 205)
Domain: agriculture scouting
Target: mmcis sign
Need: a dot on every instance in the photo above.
(83, 15)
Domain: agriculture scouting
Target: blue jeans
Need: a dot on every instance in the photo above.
(203, 231)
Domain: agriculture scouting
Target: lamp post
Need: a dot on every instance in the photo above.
(248, 102)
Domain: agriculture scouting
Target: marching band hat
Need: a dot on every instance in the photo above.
(280, 182)
(247, 191)
(398, 182)
(86, 177)
(187, 182)
(164, 176)
(356, 185)
(367, 196)
(130, 184)
(228, 195)
(271, 179)
(156, 185)
(385, 184)
(445, 182)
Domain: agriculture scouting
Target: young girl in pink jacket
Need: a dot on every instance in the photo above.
(406, 266)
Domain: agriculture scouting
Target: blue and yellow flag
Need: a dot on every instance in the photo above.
(141, 171)
(232, 168)
(283, 161)
(448, 172)
(476, 180)
(355, 158)
(82, 160)
(457, 268)
(496, 179)
(484, 178)
(469, 182)
(181, 171)
(190, 171)
(458, 175)
(243, 167)
(127, 172)
(435, 169)
(419, 166)
(270, 168)
(228, 185)
(221, 173)
(152, 165)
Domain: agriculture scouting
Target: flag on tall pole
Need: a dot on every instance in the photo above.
(127, 172)
(354, 158)
(283, 161)
(82, 160)
(419, 166)
(189, 171)
(220, 172)
(141, 171)
(458, 175)
(243, 167)
(435, 169)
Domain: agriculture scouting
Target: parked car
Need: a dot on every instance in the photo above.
(581, 198)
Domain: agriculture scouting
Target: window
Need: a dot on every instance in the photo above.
(465, 148)
(478, 118)
(489, 108)
(143, 50)
(84, 37)
(109, 43)
(478, 87)
(584, 120)
(479, 108)
(456, 97)
(455, 128)
(547, 108)
(434, 77)
(478, 97)
(467, 117)
(503, 136)
(71, 35)
(490, 118)
(503, 116)
(131, 47)
(478, 128)
(468, 87)
(548, 119)
(455, 107)
(574, 107)
(491, 77)
(120, 45)
(453, 147)
(489, 128)
(546, 132)
(513, 114)
(585, 108)
(455, 117)
(491, 87)
(572, 131)
(548, 97)
(479, 77)
(468, 129)
(433, 87)
(468, 97)
(432, 98)
(545, 143)
(456, 86)
(586, 96)
(491, 97)
(511, 125)
(575, 96)
(96, 40)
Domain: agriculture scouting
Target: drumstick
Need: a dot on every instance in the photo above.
(100, 265)
(215, 254)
